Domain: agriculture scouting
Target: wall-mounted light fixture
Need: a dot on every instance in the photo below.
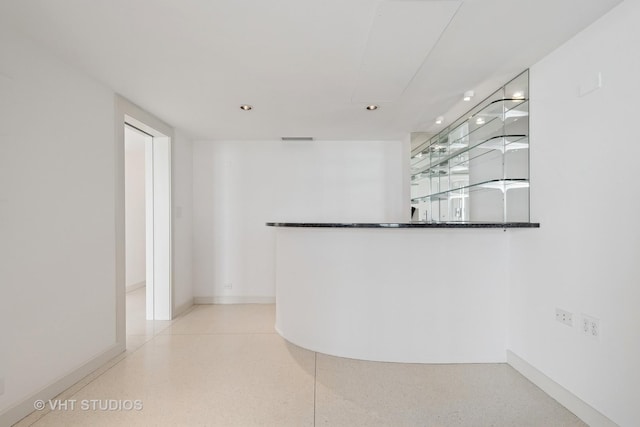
(372, 107)
(246, 107)
(297, 138)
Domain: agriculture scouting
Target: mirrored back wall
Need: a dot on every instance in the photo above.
(477, 168)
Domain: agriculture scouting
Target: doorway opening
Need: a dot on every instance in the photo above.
(158, 270)
(136, 143)
(147, 179)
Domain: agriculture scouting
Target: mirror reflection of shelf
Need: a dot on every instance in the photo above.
(514, 142)
(478, 126)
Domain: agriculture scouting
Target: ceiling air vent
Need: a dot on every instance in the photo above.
(297, 138)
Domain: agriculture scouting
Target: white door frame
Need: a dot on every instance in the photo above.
(160, 305)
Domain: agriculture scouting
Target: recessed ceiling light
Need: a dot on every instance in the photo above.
(439, 120)
(468, 95)
(479, 121)
(246, 107)
(372, 107)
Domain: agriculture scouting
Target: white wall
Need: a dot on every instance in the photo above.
(57, 192)
(238, 186)
(135, 240)
(585, 192)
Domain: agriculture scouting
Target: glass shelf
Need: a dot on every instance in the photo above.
(502, 143)
(495, 184)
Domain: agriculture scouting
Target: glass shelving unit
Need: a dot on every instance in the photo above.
(477, 168)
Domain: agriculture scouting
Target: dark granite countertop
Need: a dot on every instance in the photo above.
(406, 224)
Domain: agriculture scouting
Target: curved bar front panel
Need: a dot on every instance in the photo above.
(400, 295)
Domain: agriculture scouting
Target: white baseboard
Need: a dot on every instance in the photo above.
(18, 411)
(135, 286)
(234, 300)
(182, 308)
(580, 408)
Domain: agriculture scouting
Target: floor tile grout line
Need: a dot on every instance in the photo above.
(175, 320)
(217, 333)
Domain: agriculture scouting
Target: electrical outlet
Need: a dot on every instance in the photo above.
(565, 317)
(591, 326)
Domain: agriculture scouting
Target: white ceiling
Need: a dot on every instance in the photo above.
(308, 67)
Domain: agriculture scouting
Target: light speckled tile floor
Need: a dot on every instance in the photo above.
(224, 365)
(358, 393)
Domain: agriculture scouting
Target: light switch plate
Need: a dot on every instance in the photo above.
(590, 83)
